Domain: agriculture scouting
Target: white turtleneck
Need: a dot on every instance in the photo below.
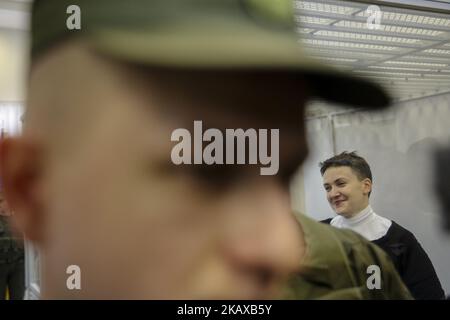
(367, 223)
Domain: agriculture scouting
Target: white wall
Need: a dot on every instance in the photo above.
(10, 118)
(398, 145)
(13, 64)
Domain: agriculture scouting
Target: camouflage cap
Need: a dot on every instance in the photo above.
(199, 34)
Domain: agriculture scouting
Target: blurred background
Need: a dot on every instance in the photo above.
(408, 53)
(404, 45)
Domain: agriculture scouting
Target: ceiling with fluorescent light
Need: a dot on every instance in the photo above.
(409, 53)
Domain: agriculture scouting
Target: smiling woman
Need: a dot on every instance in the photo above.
(342, 186)
(347, 179)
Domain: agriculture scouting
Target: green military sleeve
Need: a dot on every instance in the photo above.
(335, 266)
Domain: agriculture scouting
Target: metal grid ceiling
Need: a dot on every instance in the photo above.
(409, 54)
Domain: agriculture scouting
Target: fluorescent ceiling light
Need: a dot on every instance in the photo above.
(404, 82)
(304, 30)
(389, 28)
(313, 20)
(357, 55)
(416, 58)
(324, 8)
(401, 68)
(335, 59)
(383, 78)
(437, 51)
(408, 86)
(347, 44)
(437, 76)
(405, 79)
(411, 18)
(403, 74)
(363, 36)
(445, 79)
(411, 63)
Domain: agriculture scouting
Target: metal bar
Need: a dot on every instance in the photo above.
(416, 51)
(365, 50)
(420, 73)
(334, 113)
(363, 41)
(349, 111)
(334, 16)
(380, 32)
(332, 134)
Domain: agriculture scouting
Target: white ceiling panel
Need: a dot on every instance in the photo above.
(408, 52)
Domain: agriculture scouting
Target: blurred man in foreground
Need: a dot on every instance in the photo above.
(92, 180)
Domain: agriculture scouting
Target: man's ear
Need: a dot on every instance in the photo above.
(367, 186)
(21, 170)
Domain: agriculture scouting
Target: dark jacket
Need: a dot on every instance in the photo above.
(411, 262)
(11, 246)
